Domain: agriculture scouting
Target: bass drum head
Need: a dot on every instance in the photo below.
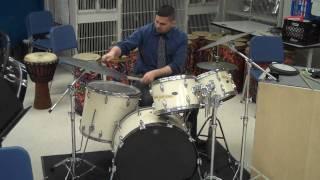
(156, 153)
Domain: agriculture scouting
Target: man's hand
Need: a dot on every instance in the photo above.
(149, 77)
(108, 57)
(115, 52)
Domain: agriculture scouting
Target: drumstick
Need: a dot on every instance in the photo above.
(134, 78)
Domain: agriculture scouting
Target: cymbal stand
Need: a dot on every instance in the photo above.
(213, 126)
(73, 159)
(245, 117)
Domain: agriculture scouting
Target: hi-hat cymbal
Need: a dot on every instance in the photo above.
(217, 66)
(224, 40)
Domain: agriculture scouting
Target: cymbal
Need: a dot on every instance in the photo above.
(91, 66)
(223, 40)
(217, 66)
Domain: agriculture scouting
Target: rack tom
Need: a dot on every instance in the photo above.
(174, 94)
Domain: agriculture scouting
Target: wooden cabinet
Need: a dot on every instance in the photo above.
(287, 132)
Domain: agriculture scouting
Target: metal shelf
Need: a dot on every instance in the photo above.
(264, 18)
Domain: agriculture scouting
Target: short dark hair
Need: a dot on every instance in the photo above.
(167, 11)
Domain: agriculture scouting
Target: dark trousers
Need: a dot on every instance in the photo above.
(146, 98)
(192, 120)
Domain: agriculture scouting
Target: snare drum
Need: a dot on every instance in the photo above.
(106, 103)
(80, 86)
(41, 67)
(147, 145)
(221, 81)
(174, 94)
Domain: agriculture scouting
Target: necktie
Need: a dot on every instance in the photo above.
(161, 52)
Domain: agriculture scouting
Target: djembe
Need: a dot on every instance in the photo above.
(81, 84)
(41, 67)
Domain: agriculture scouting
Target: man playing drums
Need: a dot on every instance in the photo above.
(162, 52)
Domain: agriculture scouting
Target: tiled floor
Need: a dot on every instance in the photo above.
(42, 133)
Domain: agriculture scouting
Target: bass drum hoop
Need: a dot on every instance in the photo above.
(154, 124)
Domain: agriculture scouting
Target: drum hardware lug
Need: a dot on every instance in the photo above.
(24, 83)
(211, 85)
(100, 134)
(234, 86)
(188, 99)
(191, 139)
(185, 83)
(118, 125)
(113, 169)
(199, 161)
(91, 128)
(185, 128)
(120, 142)
(161, 87)
(195, 89)
(169, 125)
(142, 125)
(128, 102)
(88, 95)
(223, 89)
(164, 103)
(218, 77)
(106, 100)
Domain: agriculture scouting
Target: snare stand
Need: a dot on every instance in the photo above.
(245, 117)
(73, 159)
(213, 125)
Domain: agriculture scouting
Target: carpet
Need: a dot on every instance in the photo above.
(103, 160)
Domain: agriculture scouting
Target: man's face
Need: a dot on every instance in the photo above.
(163, 24)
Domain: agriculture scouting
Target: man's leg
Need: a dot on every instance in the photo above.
(146, 98)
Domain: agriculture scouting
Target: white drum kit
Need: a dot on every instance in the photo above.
(150, 143)
(155, 138)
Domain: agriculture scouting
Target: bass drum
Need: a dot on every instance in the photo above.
(150, 147)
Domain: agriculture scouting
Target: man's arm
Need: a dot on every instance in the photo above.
(125, 46)
(151, 75)
(179, 58)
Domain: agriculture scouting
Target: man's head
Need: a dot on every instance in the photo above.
(165, 19)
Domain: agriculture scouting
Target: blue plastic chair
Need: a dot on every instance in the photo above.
(62, 38)
(15, 164)
(39, 24)
(265, 49)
